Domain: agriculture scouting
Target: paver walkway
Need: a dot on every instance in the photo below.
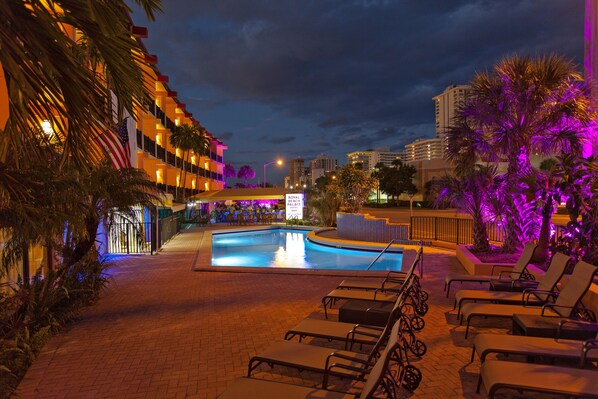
(163, 331)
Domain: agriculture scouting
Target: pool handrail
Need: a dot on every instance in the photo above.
(421, 266)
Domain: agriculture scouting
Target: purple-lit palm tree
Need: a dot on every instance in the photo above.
(228, 172)
(524, 106)
(245, 172)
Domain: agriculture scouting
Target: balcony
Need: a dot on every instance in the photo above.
(139, 139)
(149, 145)
(161, 152)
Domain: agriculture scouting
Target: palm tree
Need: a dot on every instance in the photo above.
(524, 105)
(471, 194)
(229, 171)
(201, 147)
(245, 172)
(67, 90)
(187, 137)
(105, 193)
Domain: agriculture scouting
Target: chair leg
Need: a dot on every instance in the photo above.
(472, 354)
(467, 328)
(479, 384)
(448, 288)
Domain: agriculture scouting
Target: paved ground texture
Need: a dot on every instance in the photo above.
(163, 331)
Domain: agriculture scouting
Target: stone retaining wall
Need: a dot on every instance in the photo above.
(363, 227)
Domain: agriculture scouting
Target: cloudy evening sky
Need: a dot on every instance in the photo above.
(289, 78)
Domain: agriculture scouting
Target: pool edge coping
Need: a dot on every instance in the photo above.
(206, 248)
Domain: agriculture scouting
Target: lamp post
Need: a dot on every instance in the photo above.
(277, 162)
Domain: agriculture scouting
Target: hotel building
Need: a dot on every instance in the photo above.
(370, 158)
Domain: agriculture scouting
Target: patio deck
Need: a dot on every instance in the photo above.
(163, 331)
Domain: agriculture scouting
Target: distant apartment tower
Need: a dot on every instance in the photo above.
(370, 158)
(320, 166)
(297, 172)
(424, 149)
(447, 104)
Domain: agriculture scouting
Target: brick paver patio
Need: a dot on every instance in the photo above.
(163, 331)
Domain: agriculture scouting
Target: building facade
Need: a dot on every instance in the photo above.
(446, 105)
(370, 158)
(297, 175)
(320, 166)
(424, 149)
(153, 152)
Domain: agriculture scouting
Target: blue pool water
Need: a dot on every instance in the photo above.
(290, 248)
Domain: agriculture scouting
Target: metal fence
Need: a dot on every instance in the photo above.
(140, 237)
(455, 230)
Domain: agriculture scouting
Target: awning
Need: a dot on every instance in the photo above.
(242, 194)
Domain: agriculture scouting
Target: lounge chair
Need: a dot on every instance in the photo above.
(566, 304)
(363, 334)
(532, 347)
(393, 281)
(518, 271)
(577, 383)
(373, 296)
(537, 296)
(379, 378)
(343, 364)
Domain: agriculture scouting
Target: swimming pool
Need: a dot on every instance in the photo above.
(287, 248)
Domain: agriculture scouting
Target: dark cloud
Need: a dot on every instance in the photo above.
(225, 135)
(281, 140)
(363, 72)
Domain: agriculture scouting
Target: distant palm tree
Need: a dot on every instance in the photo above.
(524, 105)
(245, 172)
(228, 172)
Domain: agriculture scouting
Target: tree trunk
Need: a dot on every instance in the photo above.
(26, 264)
(82, 247)
(541, 253)
(480, 234)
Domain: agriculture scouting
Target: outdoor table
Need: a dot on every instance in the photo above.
(355, 311)
(542, 326)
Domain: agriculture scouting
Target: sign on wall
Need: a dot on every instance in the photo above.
(294, 206)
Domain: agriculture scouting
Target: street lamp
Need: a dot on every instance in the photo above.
(277, 162)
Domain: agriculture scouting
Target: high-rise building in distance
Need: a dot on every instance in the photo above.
(320, 166)
(370, 158)
(297, 172)
(447, 104)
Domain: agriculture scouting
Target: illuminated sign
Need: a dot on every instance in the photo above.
(294, 206)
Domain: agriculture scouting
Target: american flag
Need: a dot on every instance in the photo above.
(115, 143)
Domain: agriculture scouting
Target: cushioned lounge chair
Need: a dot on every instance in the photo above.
(393, 281)
(374, 296)
(379, 378)
(344, 364)
(577, 383)
(537, 296)
(350, 333)
(485, 344)
(566, 303)
(518, 271)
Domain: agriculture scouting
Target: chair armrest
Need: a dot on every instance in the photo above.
(375, 328)
(553, 306)
(496, 267)
(528, 292)
(523, 273)
(351, 334)
(588, 345)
